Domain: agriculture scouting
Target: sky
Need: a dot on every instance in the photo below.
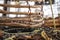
(46, 9)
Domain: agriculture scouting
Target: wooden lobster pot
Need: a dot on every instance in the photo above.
(31, 19)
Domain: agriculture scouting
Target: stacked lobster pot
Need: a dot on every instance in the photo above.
(27, 15)
(22, 19)
(26, 24)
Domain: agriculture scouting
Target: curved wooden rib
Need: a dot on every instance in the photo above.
(36, 25)
(19, 24)
(20, 19)
(19, 6)
(14, 24)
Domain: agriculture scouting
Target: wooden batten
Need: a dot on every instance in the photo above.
(14, 24)
(20, 6)
(15, 19)
(19, 25)
(24, 13)
(25, 0)
(49, 22)
(21, 21)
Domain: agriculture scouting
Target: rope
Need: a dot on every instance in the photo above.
(52, 14)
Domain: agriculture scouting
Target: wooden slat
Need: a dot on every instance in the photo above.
(14, 24)
(49, 22)
(18, 24)
(15, 19)
(25, 0)
(24, 13)
(20, 6)
(18, 19)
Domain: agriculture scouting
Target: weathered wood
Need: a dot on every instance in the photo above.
(50, 25)
(25, 19)
(20, 6)
(14, 24)
(18, 24)
(25, 13)
(49, 22)
(25, 0)
(7, 21)
(15, 19)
